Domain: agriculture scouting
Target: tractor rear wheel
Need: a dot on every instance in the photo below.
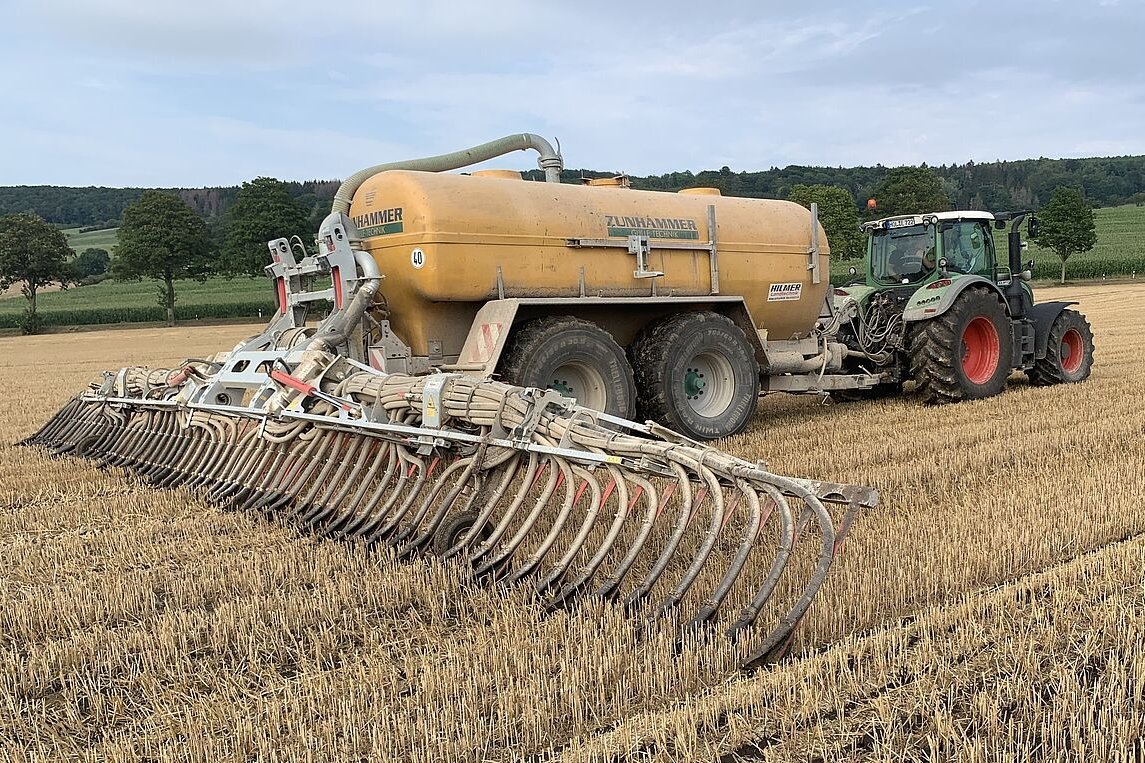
(574, 357)
(1069, 352)
(965, 353)
(697, 374)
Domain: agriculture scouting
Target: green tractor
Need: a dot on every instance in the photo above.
(938, 305)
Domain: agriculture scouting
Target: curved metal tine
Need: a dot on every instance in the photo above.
(227, 482)
(537, 468)
(184, 445)
(624, 506)
(246, 476)
(367, 516)
(466, 478)
(183, 467)
(464, 465)
(568, 472)
(407, 466)
(636, 598)
(47, 431)
(597, 500)
(559, 476)
(711, 605)
(222, 438)
(306, 454)
(778, 502)
(711, 537)
(105, 438)
(125, 432)
(508, 471)
(100, 431)
(266, 476)
(314, 478)
(162, 449)
(350, 461)
(772, 646)
(656, 504)
(66, 431)
(137, 436)
(418, 465)
(348, 515)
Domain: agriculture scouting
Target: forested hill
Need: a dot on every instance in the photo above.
(995, 186)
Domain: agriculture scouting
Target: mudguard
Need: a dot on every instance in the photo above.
(1043, 315)
(933, 300)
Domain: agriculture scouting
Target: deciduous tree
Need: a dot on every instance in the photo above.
(837, 213)
(910, 191)
(263, 211)
(162, 238)
(1066, 225)
(33, 254)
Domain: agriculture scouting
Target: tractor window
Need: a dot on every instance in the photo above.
(968, 248)
(902, 255)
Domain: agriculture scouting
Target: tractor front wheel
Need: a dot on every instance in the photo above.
(965, 353)
(1069, 352)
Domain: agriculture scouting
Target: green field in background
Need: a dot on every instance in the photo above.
(100, 239)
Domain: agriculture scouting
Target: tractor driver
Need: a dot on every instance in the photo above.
(910, 260)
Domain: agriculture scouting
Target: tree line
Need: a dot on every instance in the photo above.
(163, 236)
(994, 186)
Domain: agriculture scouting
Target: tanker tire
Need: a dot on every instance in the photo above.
(453, 529)
(1056, 367)
(669, 350)
(545, 352)
(937, 352)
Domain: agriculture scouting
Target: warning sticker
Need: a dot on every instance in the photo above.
(784, 292)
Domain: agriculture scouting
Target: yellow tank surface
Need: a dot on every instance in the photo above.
(441, 240)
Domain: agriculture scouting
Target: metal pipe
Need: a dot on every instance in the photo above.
(549, 160)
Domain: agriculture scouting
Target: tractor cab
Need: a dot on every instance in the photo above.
(914, 250)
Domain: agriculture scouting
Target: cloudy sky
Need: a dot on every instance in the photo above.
(213, 92)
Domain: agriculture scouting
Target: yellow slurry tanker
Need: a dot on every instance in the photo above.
(473, 389)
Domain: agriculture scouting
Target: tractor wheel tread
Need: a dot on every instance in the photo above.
(935, 349)
(1049, 370)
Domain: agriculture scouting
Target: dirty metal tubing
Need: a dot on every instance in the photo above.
(623, 510)
(509, 470)
(497, 561)
(596, 504)
(789, 621)
(366, 513)
(711, 536)
(550, 161)
(532, 475)
(392, 523)
(435, 521)
(352, 516)
(709, 607)
(636, 598)
(464, 465)
(572, 496)
(612, 585)
(334, 488)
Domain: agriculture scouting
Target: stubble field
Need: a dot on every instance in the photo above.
(991, 608)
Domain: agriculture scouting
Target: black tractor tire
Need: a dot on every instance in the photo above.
(696, 373)
(453, 528)
(1069, 352)
(965, 353)
(573, 356)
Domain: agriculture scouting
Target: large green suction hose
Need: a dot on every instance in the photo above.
(550, 161)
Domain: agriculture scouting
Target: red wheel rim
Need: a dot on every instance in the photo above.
(1072, 351)
(981, 350)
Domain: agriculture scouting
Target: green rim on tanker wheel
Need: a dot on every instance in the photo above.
(582, 382)
(709, 383)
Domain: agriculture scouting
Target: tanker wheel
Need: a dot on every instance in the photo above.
(574, 357)
(1069, 352)
(965, 353)
(453, 529)
(697, 374)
